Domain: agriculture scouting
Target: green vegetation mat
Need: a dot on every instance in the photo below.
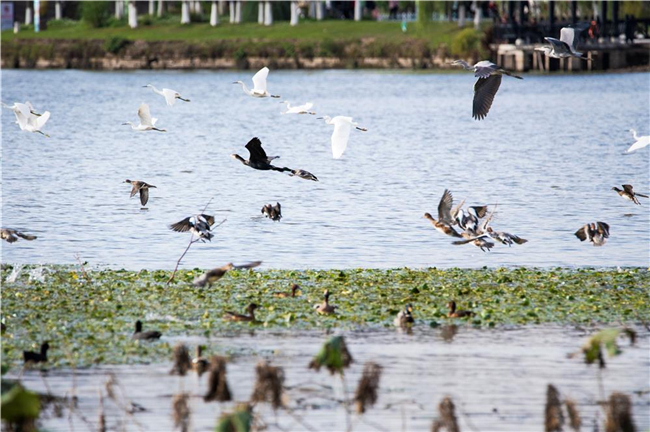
(90, 319)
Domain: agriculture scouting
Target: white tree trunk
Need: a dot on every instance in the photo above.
(222, 7)
(119, 9)
(152, 7)
(319, 10)
(185, 12)
(237, 12)
(214, 14)
(268, 14)
(161, 8)
(260, 12)
(57, 10)
(28, 14)
(294, 13)
(231, 9)
(461, 16)
(357, 10)
(477, 15)
(198, 8)
(133, 15)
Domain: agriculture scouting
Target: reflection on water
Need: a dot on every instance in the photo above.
(497, 379)
(547, 154)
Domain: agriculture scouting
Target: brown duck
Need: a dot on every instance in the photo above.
(629, 194)
(597, 233)
(445, 221)
(272, 212)
(11, 235)
(453, 313)
(325, 308)
(232, 316)
(212, 276)
(140, 187)
(284, 294)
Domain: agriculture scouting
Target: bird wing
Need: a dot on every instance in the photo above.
(39, 121)
(25, 236)
(582, 233)
(470, 239)
(257, 153)
(24, 120)
(170, 96)
(306, 107)
(134, 189)
(642, 142)
(567, 35)
(24, 109)
(145, 115)
(480, 211)
(259, 80)
(483, 71)
(249, 265)
(558, 45)
(603, 228)
(182, 226)
(484, 91)
(456, 210)
(208, 218)
(629, 189)
(144, 196)
(340, 136)
(444, 207)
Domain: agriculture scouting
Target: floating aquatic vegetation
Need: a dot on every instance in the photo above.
(554, 419)
(334, 355)
(446, 417)
(182, 360)
(269, 384)
(181, 411)
(605, 341)
(238, 421)
(217, 385)
(366, 394)
(619, 414)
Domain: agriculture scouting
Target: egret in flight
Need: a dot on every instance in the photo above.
(147, 122)
(489, 79)
(342, 127)
(28, 119)
(641, 141)
(301, 109)
(259, 85)
(563, 48)
(25, 108)
(169, 95)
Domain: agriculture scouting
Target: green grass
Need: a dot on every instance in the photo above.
(91, 322)
(306, 30)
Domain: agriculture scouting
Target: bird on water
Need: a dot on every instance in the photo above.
(37, 357)
(325, 308)
(140, 187)
(489, 79)
(138, 334)
(257, 158)
(454, 313)
(404, 317)
(232, 316)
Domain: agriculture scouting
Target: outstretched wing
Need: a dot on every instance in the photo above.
(208, 218)
(603, 228)
(567, 35)
(582, 233)
(257, 153)
(40, 121)
(628, 188)
(144, 196)
(484, 91)
(145, 115)
(259, 80)
(170, 96)
(340, 137)
(25, 236)
(444, 207)
(182, 226)
(249, 265)
(558, 45)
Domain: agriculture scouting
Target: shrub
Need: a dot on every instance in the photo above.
(466, 43)
(114, 44)
(95, 13)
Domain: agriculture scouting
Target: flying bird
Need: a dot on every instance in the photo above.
(597, 233)
(489, 79)
(505, 238)
(169, 94)
(445, 221)
(300, 109)
(563, 48)
(641, 141)
(212, 276)
(629, 194)
(140, 187)
(258, 159)
(147, 122)
(199, 225)
(259, 85)
(479, 240)
(272, 212)
(11, 235)
(27, 118)
(303, 174)
(341, 135)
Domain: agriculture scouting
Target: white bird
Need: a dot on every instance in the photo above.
(27, 118)
(146, 121)
(641, 141)
(563, 48)
(25, 108)
(301, 109)
(169, 94)
(342, 127)
(489, 80)
(259, 85)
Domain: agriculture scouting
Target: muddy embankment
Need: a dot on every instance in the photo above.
(121, 54)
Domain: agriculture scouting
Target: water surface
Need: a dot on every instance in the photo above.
(548, 154)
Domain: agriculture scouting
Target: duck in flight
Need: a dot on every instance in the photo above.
(169, 95)
(259, 85)
(505, 238)
(11, 235)
(258, 159)
(303, 174)
(212, 276)
(445, 219)
(140, 187)
(273, 212)
(489, 79)
(564, 47)
(597, 233)
(199, 225)
(629, 194)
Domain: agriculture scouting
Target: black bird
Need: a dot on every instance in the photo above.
(34, 357)
(199, 225)
(148, 335)
(258, 158)
(272, 212)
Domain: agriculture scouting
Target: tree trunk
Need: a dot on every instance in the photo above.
(119, 9)
(477, 15)
(198, 8)
(294, 13)
(238, 12)
(28, 14)
(260, 12)
(152, 7)
(161, 8)
(357, 10)
(57, 10)
(214, 14)
(268, 14)
(185, 12)
(461, 16)
(319, 10)
(133, 15)
(231, 9)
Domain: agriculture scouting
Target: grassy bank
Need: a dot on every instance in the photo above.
(90, 320)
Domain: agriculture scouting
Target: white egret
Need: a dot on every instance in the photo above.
(27, 118)
(563, 48)
(169, 95)
(641, 141)
(146, 121)
(342, 127)
(489, 80)
(301, 109)
(259, 85)
(25, 108)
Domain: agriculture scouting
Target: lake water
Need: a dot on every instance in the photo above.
(548, 153)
